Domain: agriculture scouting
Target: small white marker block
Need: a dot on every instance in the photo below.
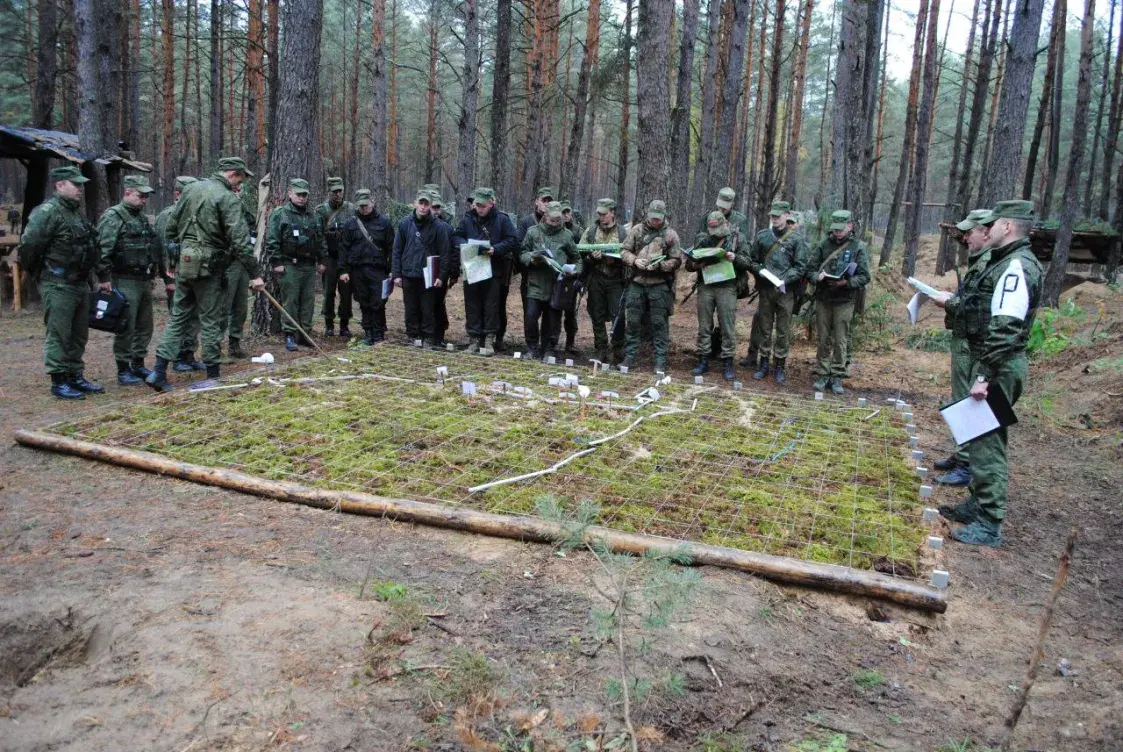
(818, 396)
(737, 386)
(935, 542)
(572, 378)
(930, 514)
(450, 347)
(901, 405)
(914, 442)
(890, 400)
(557, 381)
(908, 416)
(861, 402)
(921, 471)
(417, 343)
(939, 579)
(551, 360)
(697, 379)
(569, 362)
(442, 371)
(609, 395)
(917, 455)
(623, 369)
(925, 491)
(911, 428)
(468, 388)
(518, 356)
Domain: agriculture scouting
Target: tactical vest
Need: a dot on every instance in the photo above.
(973, 317)
(73, 253)
(595, 235)
(134, 254)
(300, 236)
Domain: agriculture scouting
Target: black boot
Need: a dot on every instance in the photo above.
(61, 388)
(570, 348)
(82, 384)
(187, 363)
(780, 377)
(235, 349)
(290, 343)
(368, 337)
(210, 382)
(329, 328)
(137, 369)
(749, 361)
(158, 379)
(702, 367)
(125, 376)
(343, 330)
(762, 372)
(727, 369)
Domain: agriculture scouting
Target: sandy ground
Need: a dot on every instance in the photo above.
(146, 613)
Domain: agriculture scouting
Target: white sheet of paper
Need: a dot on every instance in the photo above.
(968, 419)
(568, 268)
(928, 290)
(477, 269)
(780, 284)
(914, 306)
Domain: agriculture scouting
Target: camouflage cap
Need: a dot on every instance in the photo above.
(605, 205)
(839, 219)
(725, 198)
(974, 219)
(435, 199)
(780, 208)
(430, 188)
(1021, 210)
(335, 184)
(657, 209)
(298, 186)
(424, 195)
(138, 184)
(483, 196)
(717, 224)
(362, 197)
(68, 172)
(566, 206)
(546, 192)
(553, 210)
(227, 164)
(183, 181)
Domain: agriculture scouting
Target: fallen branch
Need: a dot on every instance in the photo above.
(703, 658)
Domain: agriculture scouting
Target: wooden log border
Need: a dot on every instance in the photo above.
(829, 577)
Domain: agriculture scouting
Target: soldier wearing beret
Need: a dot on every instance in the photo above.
(296, 250)
(59, 247)
(994, 311)
(782, 251)
(483, 222)
(334, 213)
(131, 257)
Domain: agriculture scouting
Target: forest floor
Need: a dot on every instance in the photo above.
(148, 613)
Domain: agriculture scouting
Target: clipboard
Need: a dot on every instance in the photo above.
(969, 419)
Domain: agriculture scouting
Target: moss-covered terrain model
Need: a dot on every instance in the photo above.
(793, 477)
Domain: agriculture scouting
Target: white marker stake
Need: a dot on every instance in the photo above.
(518, 356)
(939, 579)
(930, 514)
(935, 542)
(925, 491)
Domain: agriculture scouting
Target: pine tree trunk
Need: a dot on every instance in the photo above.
(466, 126)
(876, 17)
(500, 86)
(297, 153)
(626, 110)
(133, 133)
(791, 158)
(580, 104)
(46, 65)
(217, 107)
(1005, 160)
(167, 58)
(767, 174)
(1057, 51)
(684, 100)
(867, 217)
(1054, 279)
(97, 28)
(653, 102)
(273, 26)
(393, 143)
(255, 75)
(1045, 107)
(763, 95)
(1098, 125)
(431, 155)
(352, 168)
(909, 142)
(1111, 140)
(704, 156)
(824, 145)
(380, 185)
(919, 179)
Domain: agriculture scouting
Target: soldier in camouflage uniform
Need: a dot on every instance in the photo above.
(957, 467)
(569, 315)
(836, 288)
(295, 249)
(781, 250)
(544, 197)
(59, 247)
(542, 322)
(131, 258)
(334, 213)
(209, 227)
(724, 204)
(439, 210)
(718, 297)
(994, 312)
(605, 280)
(651, 249)
(185, 361)
(235, 302)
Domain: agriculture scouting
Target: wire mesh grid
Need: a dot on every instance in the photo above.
(783, 475)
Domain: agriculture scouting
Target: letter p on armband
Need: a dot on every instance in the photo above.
(1011, 294)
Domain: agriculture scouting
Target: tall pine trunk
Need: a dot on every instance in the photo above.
(500, 86)
(680, 115)
(653, 101)
(273, 25)
(732, 86)
(217, 115)
(46, 65)
(1057, 50)
(255, 77)
(1111, 140)
(466, 125)
(919, 180)
(705, 152)
(791, 158)
(580, 104)
(380, 185)
(625, 110)
(1098, 125)
(432, 156)
(97, 27)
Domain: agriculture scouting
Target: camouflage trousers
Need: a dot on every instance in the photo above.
(235, 302)
(603, 305)
(832, 324)
(960, 384)
(657, 301)
(722, 300)
(66, 312)
(199, 299)
(991, 471)
(774, 314)
(190, 333)
(131, 345)
(298, 296)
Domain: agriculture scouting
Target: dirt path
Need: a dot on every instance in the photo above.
(147, 613)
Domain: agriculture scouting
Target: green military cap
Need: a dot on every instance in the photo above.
(68, 172)
(435, 199)
(554, 210)
(430, 188)
(335, 184)
(725, 198)
(1022, 210)
(546, 192)
(298, 185)
(362, 197)
(138, 184)
(605, 205)
(974, 219)
(717, 224)
(424, 195)
(227, 164)
(839, 219)
(566, 206)
(483, 196)
(780, 208)
(657, 209)
(183, 181)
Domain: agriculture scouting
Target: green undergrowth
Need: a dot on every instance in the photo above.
(793, 477)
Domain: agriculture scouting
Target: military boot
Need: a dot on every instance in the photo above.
(61, 388)
(762, 373)
(368, 337)
(473, 347)
(500, 345)
(187, 363)
(944, 465)
(702, 367)
(158, 379)
(236, 350)
(617, 355)
(727, 369)
(210, 382)
(749, 361)
(628, 362)
(836, 386)
(329, 328)
(964, 512)
(487, 349)
(82, 384)
(343, 330)
(571, 348)
(290, 343)
(958, 476)
(661, 365)
(778, 373)
(125, 375)
(821, 384)
(983, 531)
(137, 369)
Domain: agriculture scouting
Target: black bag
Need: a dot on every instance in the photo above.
(109, 311)
(564, 294)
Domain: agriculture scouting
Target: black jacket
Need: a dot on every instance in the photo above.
(496, 228)
(416, 240)
(357, 251)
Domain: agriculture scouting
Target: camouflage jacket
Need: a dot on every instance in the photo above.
(606, 266)
(540, 275)
(128, 244)
(209, 215)
(644, 243)
(784, 256)
(976, 262)
(731, 242)
(853, 252)
(996, 307)
(294, 236)
(737, 219)
(59, 242)
(334, 218)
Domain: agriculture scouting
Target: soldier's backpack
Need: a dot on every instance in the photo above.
(109, 311)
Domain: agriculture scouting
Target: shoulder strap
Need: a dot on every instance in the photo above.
(363, 229)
